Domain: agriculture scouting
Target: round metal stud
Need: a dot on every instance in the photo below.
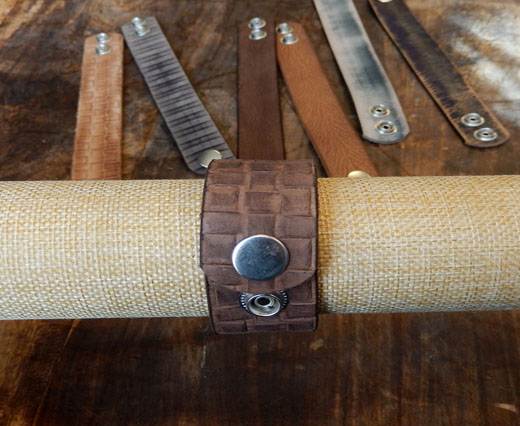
(208, 156)
(257, 35)
(260, 257)
(379, 111)
(358, 174)
(472, 119)
(140, 26)
(486, 134)
(256, 23)
(264, 305)
(385, 1)
(283, 28)
(102, 47)
(386, 127)
(289, 38)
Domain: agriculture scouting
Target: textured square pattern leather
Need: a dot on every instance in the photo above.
(244, 198)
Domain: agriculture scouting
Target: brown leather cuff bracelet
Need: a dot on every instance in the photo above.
(259, 245)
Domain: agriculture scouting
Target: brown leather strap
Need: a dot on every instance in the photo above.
(259, 125)
(97, 144)
(277, 199)
(476, 125)
(336, 142)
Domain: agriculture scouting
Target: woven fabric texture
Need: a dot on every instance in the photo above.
(90, 249)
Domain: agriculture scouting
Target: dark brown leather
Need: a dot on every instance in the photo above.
(435, 71)
(245, 198)
(336, 142)
(259, 124)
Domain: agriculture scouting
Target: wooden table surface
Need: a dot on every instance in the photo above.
(420, 369)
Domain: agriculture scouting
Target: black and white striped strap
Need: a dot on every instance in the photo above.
(380, 114)
(190, 124)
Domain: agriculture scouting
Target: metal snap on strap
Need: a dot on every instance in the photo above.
(289, 38)
(260, 257)
(264, 305)
(358, 174)
(102, 47)
(283, 28)
(379, 111)
(472, 119)
(486, 134)
(256, 23)
(386, 127)
(257, 35)
(208, 156)
(140, 26)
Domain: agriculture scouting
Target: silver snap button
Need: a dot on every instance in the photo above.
(472, 119)
(283, 28)
(260, 257)
(386, 127)
(379, 111)
(102, 47)
(208, 156)
(486, 134)
(358, 174)
(264, 305)
(140, 26)
(289, 38)
(256, 23)
(257, 35)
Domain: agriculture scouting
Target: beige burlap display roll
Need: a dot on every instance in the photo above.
(130, 248)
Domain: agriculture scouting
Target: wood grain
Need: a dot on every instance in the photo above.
(427, 369)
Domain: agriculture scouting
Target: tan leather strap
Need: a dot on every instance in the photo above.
(259, 124)
(250, 201)
(367, 82)
(97, 143)
(336, 142)
(475, 123)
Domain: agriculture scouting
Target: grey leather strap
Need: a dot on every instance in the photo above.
(380, 114)
(195, 133)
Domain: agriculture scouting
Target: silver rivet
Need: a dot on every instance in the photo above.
(256, 23)
(283, 28)
(260, 257)
(140, 26)
(379, 111)
(264, 304)
(385, 1)
(102, 47)
(289, 38)
(386, 127)
(358, 174)
(486, 134)
(208, 156)
(257, 35)
(472, 119)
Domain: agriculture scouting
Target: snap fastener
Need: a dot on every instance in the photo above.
(379, 111)
(264, 305)
(472, 119)
(386, 127)
(358, 174)
(486, 134)
(208, 156)
(260, 257)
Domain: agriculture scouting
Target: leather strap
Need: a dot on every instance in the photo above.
(97, 143)
(245, 198)
(477, 126)
(336, 142)
(378, 108)
(259, 124)
(190, 124)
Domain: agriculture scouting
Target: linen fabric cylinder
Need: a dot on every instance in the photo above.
(91, 249)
